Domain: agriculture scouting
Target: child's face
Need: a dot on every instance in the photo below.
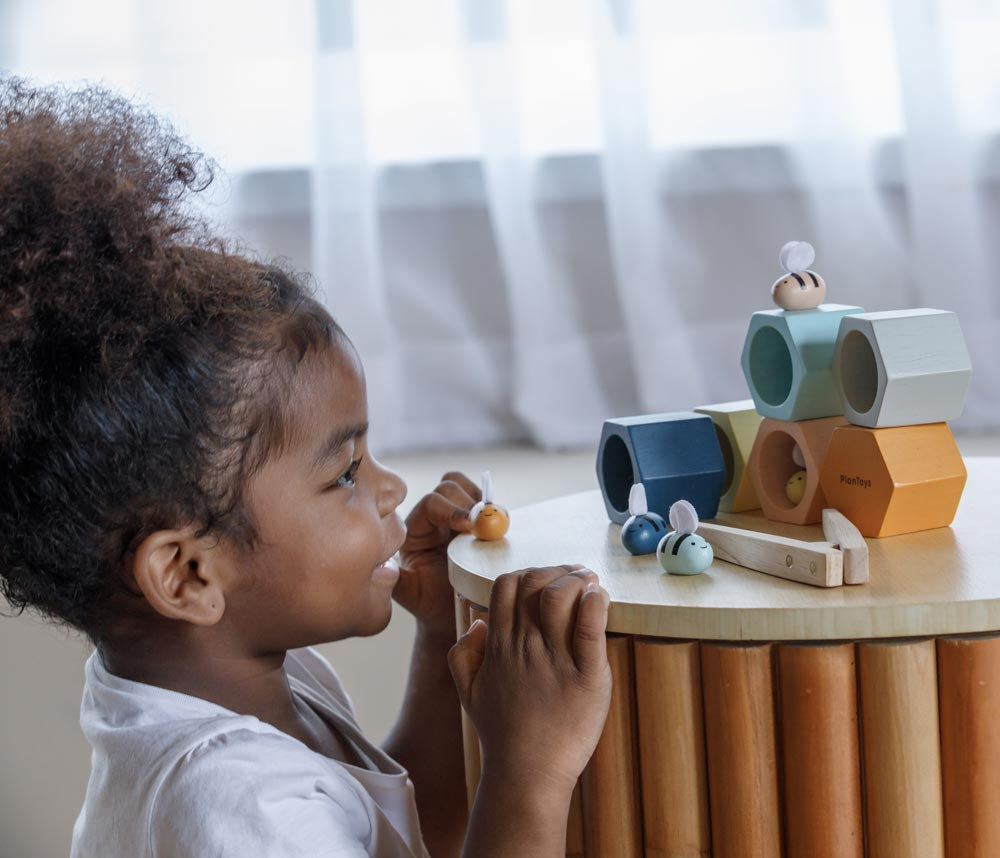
(325, 524)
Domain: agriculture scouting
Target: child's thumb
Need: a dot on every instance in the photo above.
(466, 657)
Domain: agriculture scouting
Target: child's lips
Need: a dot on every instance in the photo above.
(387, 572)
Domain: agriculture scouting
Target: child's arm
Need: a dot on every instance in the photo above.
(427, 742)
(537, 686)
(427, 738)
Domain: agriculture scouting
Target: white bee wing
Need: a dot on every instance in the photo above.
(637, 500)
(683, 517)
(797, 456)
(796, 255)
(487, 487)
(474, 512)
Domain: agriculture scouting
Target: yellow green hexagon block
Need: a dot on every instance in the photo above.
(736, 425)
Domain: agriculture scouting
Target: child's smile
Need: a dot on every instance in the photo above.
(326, 513)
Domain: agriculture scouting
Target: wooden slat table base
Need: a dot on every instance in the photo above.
(901, 747)
(820, 751)
(969, 696)
(837, 750)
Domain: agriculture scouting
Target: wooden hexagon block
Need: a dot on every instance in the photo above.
(901, 367)
(673, 455)
(788, 361)
(772, 464)
(895, 480)
(736, 425)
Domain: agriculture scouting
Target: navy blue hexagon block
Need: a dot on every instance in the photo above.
(673, 455)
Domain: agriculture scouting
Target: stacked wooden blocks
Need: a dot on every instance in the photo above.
(788, 364)
(850, 410)
(901, 376)
(859, 403)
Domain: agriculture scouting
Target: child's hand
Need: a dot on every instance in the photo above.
(536, 683)
(423, 587)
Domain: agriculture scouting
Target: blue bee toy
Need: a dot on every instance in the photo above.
(681, 552)
(643, 531)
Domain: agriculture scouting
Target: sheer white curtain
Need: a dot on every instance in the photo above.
(531, 216)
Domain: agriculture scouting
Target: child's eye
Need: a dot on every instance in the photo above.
(347, 478)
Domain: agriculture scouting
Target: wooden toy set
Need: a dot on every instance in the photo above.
(847, 424)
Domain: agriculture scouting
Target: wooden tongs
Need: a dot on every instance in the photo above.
(842, 559)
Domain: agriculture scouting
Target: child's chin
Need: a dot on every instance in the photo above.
(379, 621)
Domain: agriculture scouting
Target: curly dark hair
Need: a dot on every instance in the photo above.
(145, 364)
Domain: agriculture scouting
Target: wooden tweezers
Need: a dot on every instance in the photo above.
(842, 559)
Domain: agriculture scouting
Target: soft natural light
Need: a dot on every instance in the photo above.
(241, 78)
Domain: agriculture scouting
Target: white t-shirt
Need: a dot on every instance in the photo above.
(175, 776)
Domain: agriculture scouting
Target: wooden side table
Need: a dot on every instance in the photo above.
(754, 716)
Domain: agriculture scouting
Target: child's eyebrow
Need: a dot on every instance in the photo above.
(333, 445)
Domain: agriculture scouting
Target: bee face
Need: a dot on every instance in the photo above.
(491, 523)
(795, 488)
(684, 554)
(800, 290)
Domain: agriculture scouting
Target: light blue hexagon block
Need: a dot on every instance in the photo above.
(788, 361)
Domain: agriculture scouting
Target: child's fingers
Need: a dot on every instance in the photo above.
(590, 649)
(503, 602)
(532, 582)
(468, 485)
(442, 512)
(466, 657)
(557, 608)
(461, 498)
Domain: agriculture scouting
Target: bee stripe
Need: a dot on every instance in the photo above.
(802, 282)
(677, 544)
(812, 276)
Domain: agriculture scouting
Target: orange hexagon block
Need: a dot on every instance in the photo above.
(772, 464)
(894, 480)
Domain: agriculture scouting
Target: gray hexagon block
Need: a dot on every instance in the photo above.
(788, 361)
(674, 456)
(901, 367)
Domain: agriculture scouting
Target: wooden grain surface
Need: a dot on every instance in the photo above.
(672, 749)
(820, 751)
(935, 582)
(742, 751)
(969, 694)
(901, 749)
(612, 816)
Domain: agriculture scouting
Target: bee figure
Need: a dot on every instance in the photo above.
(489, 520)
(643, 531)
(795, 488)
(799, 288)
(681, 552)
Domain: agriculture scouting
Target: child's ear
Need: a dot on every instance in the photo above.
(180, 577)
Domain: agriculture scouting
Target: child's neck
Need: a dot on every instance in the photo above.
(212, 669)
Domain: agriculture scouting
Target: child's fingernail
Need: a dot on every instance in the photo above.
(475, 624)
(592, 587)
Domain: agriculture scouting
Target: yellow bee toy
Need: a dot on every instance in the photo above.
(799, 288)
(795, 488)
(489, 520)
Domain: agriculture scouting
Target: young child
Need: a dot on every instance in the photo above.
(185, 478)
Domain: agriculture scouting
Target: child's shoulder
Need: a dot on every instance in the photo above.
(161, 757)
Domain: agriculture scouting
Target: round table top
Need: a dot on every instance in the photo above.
(942, 581)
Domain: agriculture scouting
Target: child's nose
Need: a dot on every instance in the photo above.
(393, 492)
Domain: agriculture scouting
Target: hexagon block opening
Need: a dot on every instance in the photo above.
(771, 466)
(674, 456)
(787, 361)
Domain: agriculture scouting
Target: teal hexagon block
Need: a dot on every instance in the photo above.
(788, 361)
(675, 456)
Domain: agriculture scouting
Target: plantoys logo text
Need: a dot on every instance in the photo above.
(861, 482)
